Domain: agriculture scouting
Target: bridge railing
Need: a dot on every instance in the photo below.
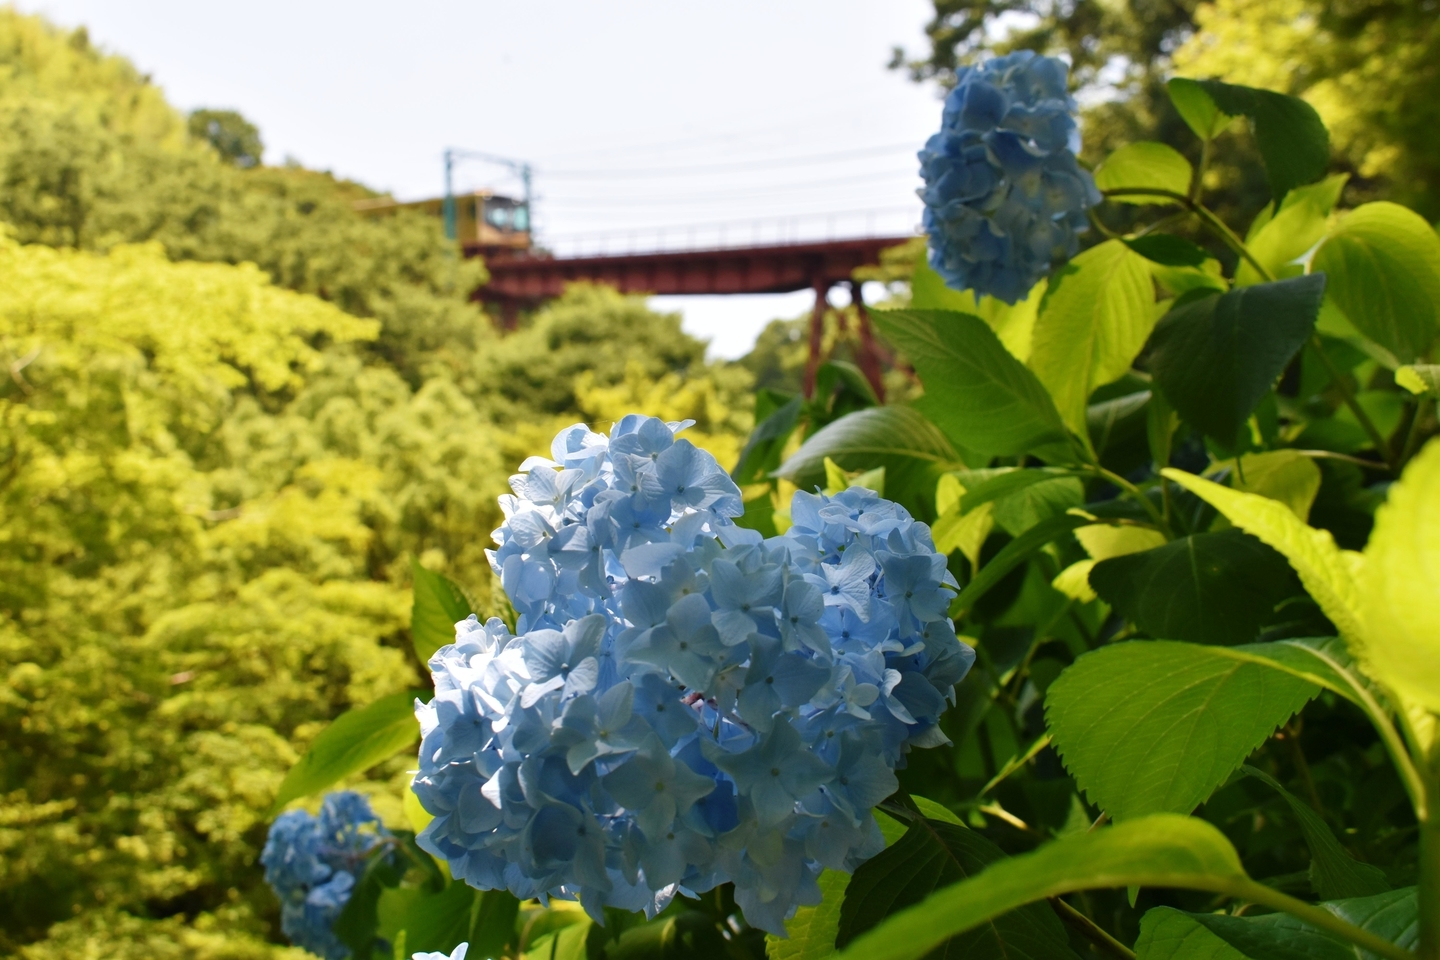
(729, 234)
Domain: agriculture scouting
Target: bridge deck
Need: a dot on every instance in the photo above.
(517, 279)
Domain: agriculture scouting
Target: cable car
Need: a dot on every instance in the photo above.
(484, 221)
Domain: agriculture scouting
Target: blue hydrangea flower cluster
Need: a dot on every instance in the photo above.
(312, 863)
(1004, 196)
(685, 703)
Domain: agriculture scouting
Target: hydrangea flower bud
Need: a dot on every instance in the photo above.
(1004, 196)
(312, 863)
(685, 703)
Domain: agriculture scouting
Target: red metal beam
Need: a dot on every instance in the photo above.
(781, 268)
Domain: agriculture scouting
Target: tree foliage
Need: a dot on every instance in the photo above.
(233, 411)
(1366, 65)
(233, 137)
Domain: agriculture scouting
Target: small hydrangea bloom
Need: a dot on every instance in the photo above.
(312, 862)
(1004, 196)
(685, 703)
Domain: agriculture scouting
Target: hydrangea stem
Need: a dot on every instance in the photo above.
(1205, 215)
(1136, 494)
(1090, 930)
(1348, 395)
(1429, 887)
(1412, 438)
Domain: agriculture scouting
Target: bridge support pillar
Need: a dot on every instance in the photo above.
(817, 333)
(872, 360)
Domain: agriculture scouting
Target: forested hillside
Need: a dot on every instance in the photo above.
(234, 412)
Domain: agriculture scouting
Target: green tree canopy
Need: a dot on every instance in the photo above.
(233, 137)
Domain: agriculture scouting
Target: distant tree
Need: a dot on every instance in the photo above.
(1125, 40)
(233, 137)
(1370, 67)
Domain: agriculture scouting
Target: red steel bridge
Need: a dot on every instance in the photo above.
(775, 257)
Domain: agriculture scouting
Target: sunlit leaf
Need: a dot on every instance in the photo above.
(985, 486)
(912, 450)
(353, 743)
(1074, 581)
(1196, 108)
(812, 930)
(1327, 572)
(1285, 475)
(1292, 232)
(1013, 323)
(975, 390)
(567, 943)
(965, 532)
(934, 854)
(1146, 165)
(439, 605)
(442, 920)
(1103, 541)
(837, 479)
(1163, 850)
(1383, 265)
(1093, 321)
(1021, 498)
(1401, 593)
(1420, 378)
(1156, 726)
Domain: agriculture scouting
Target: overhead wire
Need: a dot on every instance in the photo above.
(849, 213)
(850, 104)
(596, 201)
(726, 196)
(673, 170)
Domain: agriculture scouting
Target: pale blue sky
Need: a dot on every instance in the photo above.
(636, 114)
